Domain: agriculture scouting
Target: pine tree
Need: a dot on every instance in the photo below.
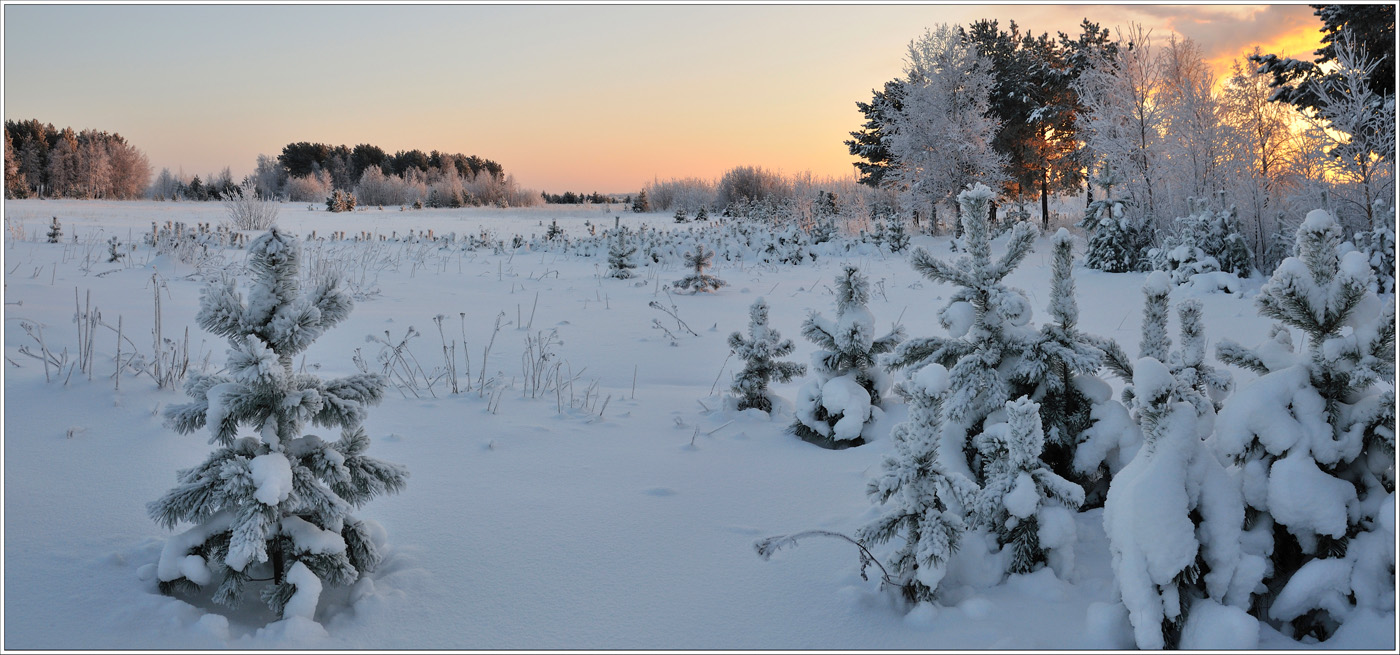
(640, 203)
(1028, 506)
(279, 497)
(1314, 435)
(699, 280)
(620, 253)
(1116, 243)
(986, 323)
(1085, 436)
(681, 216)
(55, 231)
(923, 498)
(702, 214)
(1205, 241)
(895, 235)
(759, 351)
(1174, 516)
(835, 409)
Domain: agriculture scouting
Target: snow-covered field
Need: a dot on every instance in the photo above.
(618, 513)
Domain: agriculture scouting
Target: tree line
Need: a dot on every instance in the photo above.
(1034, 116)
(47, 162)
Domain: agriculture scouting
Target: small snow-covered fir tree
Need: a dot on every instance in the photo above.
(620, 253)
(1028, 506)
(277, 499)
(835, 409)
(1378, 246)
(699, 280)
(987, 327)
(1088, 434)
(1116, 243)
(922, 499)
(895, 235)
(1174, 517)
(55, 231)
(1206, 241)
(759, 352)
(1314, 436)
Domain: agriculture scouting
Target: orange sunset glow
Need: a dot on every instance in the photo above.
(598, 97)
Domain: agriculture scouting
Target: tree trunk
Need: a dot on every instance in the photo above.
(1089, 198)
(1045, 199)
(934, 221)
(277, 566)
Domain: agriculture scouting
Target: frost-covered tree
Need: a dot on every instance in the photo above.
(1378, 246)
(1028, 506)
(895, 235)
(1206, 241)
(699, 280)
(620, 253)
(277, 499)
(940, 138)
(1174, 517)
(759, 352)
(1314, 436)
(1124, 121)
(922, 498)
(835, 409)
(1088, 434)
(987, 325)
(55, 233)
(1117, 244)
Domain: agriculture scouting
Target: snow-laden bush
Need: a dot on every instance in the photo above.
(248, 211)
(1314, 436)
(922, 498)
(275, 505)
(836, 408)
(620, 254)
(1206, 241)
(759, 352)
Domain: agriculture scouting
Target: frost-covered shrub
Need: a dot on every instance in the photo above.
(699, 280)
(922, 497)
(835, 409)
(1313, 437)
(1206, 241)
(1117, 243)
(759, 352)
(276, 504)
(1378, 246)
(55, 233)
(247, 211)
(340, 201)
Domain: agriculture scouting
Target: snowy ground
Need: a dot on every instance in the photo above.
(537, 525)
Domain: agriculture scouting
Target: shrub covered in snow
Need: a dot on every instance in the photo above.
(620, 254)
(278, 500)
(759, 351)
(1314, 436)
(835, 408)
(1206, 241)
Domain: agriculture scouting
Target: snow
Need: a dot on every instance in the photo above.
(1022, 499)
(843, 395)
(310, 538)
(531, 526)
(1151, 378)
(1317, 220)
(1307, 500)
(308, 592)
(1212, 626)
(272, 475)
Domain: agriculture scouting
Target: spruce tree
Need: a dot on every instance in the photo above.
(1116, 243)
(620, 253)
(699, 280)
(277, 498)
(759, 352)
(1085, 439)
(987, 326)
(1314, 435)
(835, 409)
(55, 231)
(1028, 506)
(922, 498)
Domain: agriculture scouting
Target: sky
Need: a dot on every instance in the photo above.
(582, 98)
